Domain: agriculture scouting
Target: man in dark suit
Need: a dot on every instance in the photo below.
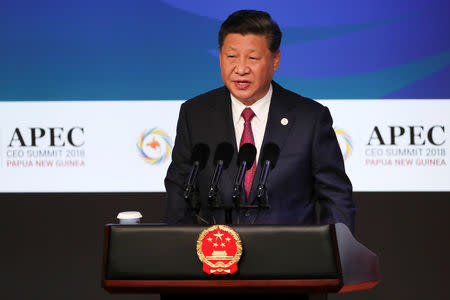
(251, 108)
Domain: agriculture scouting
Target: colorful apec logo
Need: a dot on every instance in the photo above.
(154, 146)
(345, 142)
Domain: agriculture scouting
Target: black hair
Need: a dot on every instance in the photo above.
(252, 22)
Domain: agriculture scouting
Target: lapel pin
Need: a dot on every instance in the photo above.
(284, 121)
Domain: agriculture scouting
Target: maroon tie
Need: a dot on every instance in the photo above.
(247, 137)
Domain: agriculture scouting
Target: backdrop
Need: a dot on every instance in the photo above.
(90, 90)
(89, 97)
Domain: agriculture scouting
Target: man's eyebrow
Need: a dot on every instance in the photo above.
(235, 49)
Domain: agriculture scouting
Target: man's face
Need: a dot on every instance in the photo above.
(247, 66)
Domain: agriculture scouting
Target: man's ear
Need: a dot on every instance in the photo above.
(276, 60)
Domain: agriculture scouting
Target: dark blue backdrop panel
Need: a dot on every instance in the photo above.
(143, 49)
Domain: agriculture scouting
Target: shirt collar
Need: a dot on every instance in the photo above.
(259, 107)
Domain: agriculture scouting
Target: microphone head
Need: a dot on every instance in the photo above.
(224, 152)
(270, 152)
(247, 153)
(200, 153)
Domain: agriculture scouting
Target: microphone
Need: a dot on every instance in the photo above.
(222, 158)
(269, 155)
(199, 157)
(246, 158)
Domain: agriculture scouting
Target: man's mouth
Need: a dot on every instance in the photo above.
(242, 84)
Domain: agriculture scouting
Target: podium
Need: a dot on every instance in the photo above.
(276, 259)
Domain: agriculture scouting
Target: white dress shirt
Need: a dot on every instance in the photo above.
(259, 121)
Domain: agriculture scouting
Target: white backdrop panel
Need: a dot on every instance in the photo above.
(93, 146)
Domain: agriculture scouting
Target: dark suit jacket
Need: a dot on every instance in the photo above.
(310, 168)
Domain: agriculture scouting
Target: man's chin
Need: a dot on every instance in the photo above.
(243, 98)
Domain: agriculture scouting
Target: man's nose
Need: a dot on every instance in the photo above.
(242, 68)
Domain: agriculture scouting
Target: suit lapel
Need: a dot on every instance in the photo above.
(279, 122)
(223, 115)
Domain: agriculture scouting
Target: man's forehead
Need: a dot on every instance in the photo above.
(251, 42)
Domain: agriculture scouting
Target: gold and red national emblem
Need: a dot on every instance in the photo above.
(219, 248)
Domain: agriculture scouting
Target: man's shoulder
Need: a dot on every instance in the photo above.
(208, 99)
(296, 101)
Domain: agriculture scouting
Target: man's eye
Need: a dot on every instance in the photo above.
(253, 58)
(231, 56)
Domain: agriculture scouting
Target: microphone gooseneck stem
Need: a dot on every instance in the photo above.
(191, 181)
(265, 172)
(238, 183)
(261, 191)
(212, 193)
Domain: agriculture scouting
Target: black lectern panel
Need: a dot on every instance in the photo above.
(277, 259)
(149, 252)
